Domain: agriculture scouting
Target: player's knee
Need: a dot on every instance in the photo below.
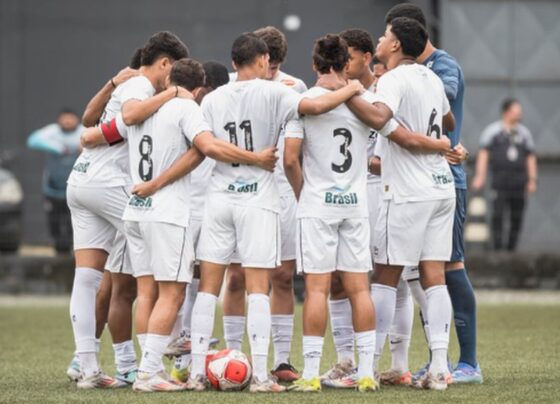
(236, 282)
(283, 281)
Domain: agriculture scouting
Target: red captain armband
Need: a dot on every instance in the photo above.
(111, 133)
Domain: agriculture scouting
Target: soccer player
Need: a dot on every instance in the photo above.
(97, 195)
(456, 278)
(333, 230)
(243, 202)
(157, 226)
(416, 219)
(282, 287)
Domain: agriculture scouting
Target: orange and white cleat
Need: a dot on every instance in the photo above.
(266, 386)
(97, 381)
(156, 382)
(285, 373)
(394, 377)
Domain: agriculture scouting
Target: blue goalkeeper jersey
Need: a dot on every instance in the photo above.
(450, 73)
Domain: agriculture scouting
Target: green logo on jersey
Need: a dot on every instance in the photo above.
(138, 202)
(341, 197)
(81, 167)
(442, 179)
(243, 188)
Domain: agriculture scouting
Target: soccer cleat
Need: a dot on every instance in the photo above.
(73, 370)
(266, 386)
(466, 374)
(182, 346)
(395, 378)
(285, 373)
(420, 373)
(306, 386)
(125, 379)
(146, 382)
(430, 381)
(367, 384)
(97, 381)
(197, 384)
(180, 375)
(333, 377)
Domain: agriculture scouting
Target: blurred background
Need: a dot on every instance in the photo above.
(58, 53)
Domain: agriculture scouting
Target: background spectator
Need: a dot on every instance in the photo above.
(507, 147)
(61, 142)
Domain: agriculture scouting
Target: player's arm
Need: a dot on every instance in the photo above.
(481, 169)
(375, 115)
(185, 164)
(45, 140)
(228, 153)
(417, 142)
(106, 133)
(326, 102)
(292, 164)
(96, 105)
(448, 72)
(532, 173)
(448, 122)
(136, 111)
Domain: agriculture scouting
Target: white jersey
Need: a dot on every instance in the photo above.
(372, 141)
(104, 165)
(334, 162)
(417, 99)
(200, 178)
(154, 146)
(248, 114)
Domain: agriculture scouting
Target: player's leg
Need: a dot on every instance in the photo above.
(463, 300)
(102, 303)
(498, 207)
(234, 306)
(340, 311)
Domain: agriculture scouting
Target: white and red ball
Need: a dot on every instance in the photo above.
(228, 370)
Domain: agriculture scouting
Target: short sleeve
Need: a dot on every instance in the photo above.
(137, 88)
(193, 122)
(294, 129)
(390, 91)
(287, 102)
(121, 126)
(446, 107)
(528, 137)
(488, 135)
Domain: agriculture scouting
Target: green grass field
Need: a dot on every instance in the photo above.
(519, 348)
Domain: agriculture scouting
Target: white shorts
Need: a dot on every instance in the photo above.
(328, 245)
(410, 273)
(119, 258)
(410, 232)
(162, 250)
(255, 232)
(288, 225)
(96, 215)
(374, 203)
(195, 224)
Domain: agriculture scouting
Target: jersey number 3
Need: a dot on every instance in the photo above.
(347, 163)
(231, 128)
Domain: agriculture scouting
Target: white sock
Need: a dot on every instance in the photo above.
(202, 326)
(282, 332)
(258, 329)
(82, 315)
(384, 300)
(234, 328)
(141, 341)
(97, 345)
(125, 356)
(153, 353)
(399, 336)
(342, 329)
(419, 296)
(312, 352)
(439, 316)
(190, 297)
(365, 345)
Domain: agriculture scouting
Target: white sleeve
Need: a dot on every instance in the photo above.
(206, 107)
(192, 121)
(121, 126)
(445, 107)
(136, 88)
(287, 102)
(390, 92)
(294, 129)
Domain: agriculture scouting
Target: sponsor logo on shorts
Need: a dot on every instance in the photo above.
(442, 179)
(81, 167)
(243, 188)
(138, 202)
(340, 197)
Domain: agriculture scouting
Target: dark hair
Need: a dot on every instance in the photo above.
(358, 39)
(187, 73)
(216, 74)
(276, 42)
(412, 36)
(163, 44)
(406, 10)
(508, 103)
(67, 110)
(330, 51)
(375, 61)
(136, 59)
(246, 48)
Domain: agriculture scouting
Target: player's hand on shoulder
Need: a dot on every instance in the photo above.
(145, 189)
(124, 75)
(268, 158)
(357, 86)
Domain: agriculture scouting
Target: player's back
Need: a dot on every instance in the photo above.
(248, 114)
(334, 162)
(417, 98)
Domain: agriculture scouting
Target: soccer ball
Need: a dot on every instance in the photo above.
(228, 370)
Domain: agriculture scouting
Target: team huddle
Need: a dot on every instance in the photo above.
(193, 180)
